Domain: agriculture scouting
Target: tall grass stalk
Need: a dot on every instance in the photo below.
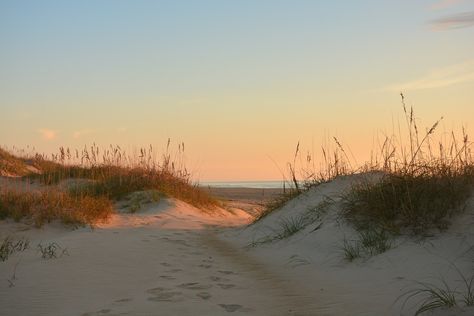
(81, 185)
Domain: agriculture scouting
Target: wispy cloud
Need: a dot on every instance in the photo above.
(47, 133)
(443, 4)
(80, 133)
(438, 78)
(456, 21)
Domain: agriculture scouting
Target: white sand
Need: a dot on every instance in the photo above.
(172, 259)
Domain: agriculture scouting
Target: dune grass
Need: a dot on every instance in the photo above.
(11, 165)
(290, 226)
(410, 202)
(51, 250)
(46, 206)
(433, 296)
(369, 242)
(420, 190)
(277, 203)
(114, 174)
(80, 187)
(9, 246)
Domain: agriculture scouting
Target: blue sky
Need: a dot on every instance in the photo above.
(238, 81)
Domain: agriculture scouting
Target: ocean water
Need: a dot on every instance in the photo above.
(245, 184)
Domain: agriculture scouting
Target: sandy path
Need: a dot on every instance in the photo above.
(169, 261)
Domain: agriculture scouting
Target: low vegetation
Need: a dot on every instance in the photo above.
(416, 190)
(81, 187)
(277, 203)
(420, 190)
(432, 296)
(46, 206)
(135, 201)
(10, 246)
(415, 185)
(410, 202)
(51, 250)
(369, 242)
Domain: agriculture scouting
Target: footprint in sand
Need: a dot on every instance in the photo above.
(231, 307)
(204, 295)
(176, 241)
(226, 272)
(205, 266)
(101, 312)
(225, 286)
(123, 300)
(164, 295)
(173, 270)
(165, 264)
(195, 286)
(156, 290)
(196, 253)
(167, 277)
(217, 279)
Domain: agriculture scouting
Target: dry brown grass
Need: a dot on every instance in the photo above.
(421, 189)
(46, 206)
(425, 180)
(96, 178)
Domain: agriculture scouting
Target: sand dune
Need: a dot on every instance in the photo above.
(174, 259)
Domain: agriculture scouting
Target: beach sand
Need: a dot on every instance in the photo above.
(250, 195)
(173, 259)
(251, 200)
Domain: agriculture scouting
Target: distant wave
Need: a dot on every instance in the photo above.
(245, 184)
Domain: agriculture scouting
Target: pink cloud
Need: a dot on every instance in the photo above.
(456, 21)
(47, 134)
(443, 4)
(439, 78)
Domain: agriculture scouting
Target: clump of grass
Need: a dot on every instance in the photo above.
(98, 177)
(287, 228)
(9, 247)
(136, 200)
(115, 174)
(414, 202)
(433, 297)
(52, 250)
(351, 250)
(11, 165)
(420, 190)
(49, 205)
(444, 296)
(290, 226)
(369, 242)
(277, 203)
(375, 241)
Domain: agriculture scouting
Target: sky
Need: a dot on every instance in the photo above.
(239, 82)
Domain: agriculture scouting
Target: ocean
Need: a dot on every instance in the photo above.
(245, 184)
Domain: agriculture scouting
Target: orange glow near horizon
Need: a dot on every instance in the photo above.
(240, 95)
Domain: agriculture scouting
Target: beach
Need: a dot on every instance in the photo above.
(174, 259)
